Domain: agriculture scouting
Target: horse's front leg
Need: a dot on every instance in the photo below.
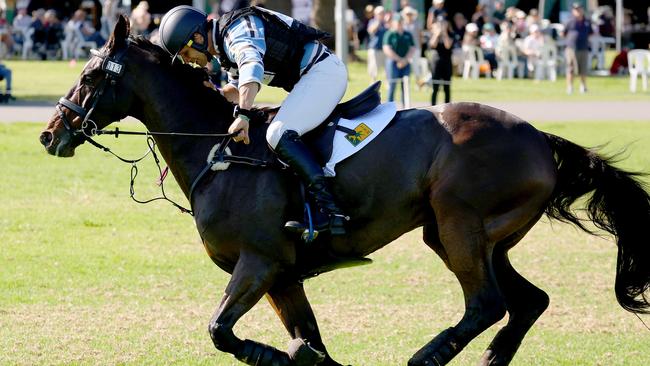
(291, 304)
(252, 278)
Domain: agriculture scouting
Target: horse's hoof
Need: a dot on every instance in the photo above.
(302, 354)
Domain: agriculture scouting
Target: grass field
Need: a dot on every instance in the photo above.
(89, 278)
(35, 80)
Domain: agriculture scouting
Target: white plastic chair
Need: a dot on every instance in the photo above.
(80, 43)
(546, 65)
(508, 62)
(473, 60)
(638, 64)
(68, 42)
(28, 42)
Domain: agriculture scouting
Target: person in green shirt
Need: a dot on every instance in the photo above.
(399, 48)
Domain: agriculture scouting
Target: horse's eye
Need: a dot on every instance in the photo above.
(87, 80)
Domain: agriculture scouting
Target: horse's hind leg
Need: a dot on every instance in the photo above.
(292, 306)
(252, 278)
(525, 303)
(467, 253)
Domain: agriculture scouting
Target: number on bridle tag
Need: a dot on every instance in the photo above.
(114, 68)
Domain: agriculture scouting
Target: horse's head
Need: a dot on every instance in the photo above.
(100, 96)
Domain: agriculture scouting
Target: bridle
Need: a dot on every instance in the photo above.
(113, 69)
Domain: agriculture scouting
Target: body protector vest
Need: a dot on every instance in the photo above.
(285, 43)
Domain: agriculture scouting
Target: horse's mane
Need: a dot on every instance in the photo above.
(191, 78)
(205, 101)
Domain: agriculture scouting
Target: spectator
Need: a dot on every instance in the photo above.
(521, 28)
(436, 11)
(109, 16)
(6, 40)
(576, 33)
(22, 20)
(53, 32)
(533, 18)
(38, 24)
(442, 41)
(376, 32)
(532, 47)
(78, 21)
(362, 34)
(480, 16)
(471, 35)
(140, 19)
(605, 21)
(411, 25)
(230, 5)
(21, 23)
(5, 73)
(507, 35)
(499, 14)
(352, 24)
(458, 28)
(488, 42)
(399, 48)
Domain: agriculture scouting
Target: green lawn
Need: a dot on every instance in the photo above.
(37, 80)
(89, 278)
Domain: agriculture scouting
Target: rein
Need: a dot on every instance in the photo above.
(114, 69)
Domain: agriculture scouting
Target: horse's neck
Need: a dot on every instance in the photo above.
(185, 156)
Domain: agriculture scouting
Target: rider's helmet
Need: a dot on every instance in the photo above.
(179, 25)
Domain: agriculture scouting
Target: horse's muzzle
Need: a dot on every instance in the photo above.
(46, 138)
(59, 144)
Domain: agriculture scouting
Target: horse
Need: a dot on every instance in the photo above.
(475, 178)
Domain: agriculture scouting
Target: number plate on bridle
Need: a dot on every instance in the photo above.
(113, 68)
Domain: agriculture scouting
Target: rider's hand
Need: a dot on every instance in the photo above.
(240, 125)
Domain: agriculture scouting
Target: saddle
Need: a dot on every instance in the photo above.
(320, 139)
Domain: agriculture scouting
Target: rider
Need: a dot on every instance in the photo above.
(258, 46)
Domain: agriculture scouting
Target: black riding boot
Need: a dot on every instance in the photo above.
(293, 151)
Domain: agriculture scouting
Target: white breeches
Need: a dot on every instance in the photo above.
(312, 99)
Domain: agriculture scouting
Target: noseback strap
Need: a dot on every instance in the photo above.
(79, 110)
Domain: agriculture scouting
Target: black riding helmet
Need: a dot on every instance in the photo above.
(178, 26)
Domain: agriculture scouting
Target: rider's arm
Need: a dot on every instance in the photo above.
(247, 93)
(245, 45)
(231, 93)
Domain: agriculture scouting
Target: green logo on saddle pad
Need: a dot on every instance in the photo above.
(361, 133)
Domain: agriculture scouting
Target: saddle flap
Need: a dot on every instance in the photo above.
(320, 139)
(363, 103)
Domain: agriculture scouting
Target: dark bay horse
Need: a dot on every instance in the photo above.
(476, 178)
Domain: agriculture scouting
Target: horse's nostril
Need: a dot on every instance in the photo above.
(46, 138)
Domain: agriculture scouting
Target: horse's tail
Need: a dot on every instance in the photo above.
(619, 205)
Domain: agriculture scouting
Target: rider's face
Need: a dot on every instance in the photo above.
(192, 56)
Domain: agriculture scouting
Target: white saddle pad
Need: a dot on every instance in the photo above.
(368, 126)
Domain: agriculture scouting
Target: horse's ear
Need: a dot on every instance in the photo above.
(120, 34)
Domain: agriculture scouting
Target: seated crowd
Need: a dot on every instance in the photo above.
(46, 34)
(502, 43)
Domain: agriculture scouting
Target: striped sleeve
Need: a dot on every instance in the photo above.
(244, 44)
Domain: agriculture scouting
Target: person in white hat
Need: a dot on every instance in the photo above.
(437, 11)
